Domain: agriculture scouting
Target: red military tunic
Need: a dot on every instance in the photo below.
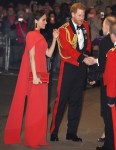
(67, 46)
(70, 55)
(110, 82)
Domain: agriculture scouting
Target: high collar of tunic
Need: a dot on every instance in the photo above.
(38, 31)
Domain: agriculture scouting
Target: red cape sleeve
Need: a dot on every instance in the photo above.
(31, 39)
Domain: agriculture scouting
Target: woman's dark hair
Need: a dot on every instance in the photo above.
(31, 21)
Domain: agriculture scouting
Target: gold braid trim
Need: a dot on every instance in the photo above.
(59, 48)
(73, 42)
(113, 49)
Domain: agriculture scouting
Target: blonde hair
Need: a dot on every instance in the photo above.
(76, 6)
(109, 21)
(113, 28)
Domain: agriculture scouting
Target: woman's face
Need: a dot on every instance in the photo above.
(41, 23)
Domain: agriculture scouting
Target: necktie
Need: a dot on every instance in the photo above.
(79, 27)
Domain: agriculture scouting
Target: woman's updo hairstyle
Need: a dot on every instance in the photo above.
(31, 21)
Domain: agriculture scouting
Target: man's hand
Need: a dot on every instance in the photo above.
(92, 82)
(111, 105)
(90, 61)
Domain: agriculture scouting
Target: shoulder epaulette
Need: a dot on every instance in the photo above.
(65, 25)
(113, 49)
(72, 41)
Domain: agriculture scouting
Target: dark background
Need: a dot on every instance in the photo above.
(6, 2)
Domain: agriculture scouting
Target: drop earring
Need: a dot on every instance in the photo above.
(35, 25)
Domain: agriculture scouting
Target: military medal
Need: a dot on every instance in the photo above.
(78, 31)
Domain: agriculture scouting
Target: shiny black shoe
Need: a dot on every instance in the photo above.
(54, 137)
(101, 148)
(73, 137)
(101, 139)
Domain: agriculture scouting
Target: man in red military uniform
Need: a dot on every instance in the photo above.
(110, 79)
(74, 48)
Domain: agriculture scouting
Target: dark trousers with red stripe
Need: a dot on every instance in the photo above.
(107, 116)
(69, 92)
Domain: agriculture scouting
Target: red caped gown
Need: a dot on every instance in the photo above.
(36, 110)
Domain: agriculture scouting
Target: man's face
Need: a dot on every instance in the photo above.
(93, 11)
(108, 11)
(79, 16)
(10, 11)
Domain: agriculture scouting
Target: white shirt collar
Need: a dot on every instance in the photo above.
(114, 43)
(80, 36)
(75, 25)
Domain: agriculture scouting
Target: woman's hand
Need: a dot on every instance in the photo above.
(36, 80)
(50, 50)
(55, 33)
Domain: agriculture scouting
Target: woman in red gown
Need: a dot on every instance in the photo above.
(33, 61)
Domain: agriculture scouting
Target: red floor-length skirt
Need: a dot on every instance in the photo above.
(36, 116)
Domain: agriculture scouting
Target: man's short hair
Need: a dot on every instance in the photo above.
(113, 28)
(110, 20)
(108, 6)
(76, 6)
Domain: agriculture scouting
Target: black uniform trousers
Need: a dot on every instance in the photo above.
(107, 117)
(70, 92)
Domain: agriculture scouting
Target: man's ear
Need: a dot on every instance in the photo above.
(114, 36)
(72, 14)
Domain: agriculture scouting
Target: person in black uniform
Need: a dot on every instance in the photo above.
(105, 45)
